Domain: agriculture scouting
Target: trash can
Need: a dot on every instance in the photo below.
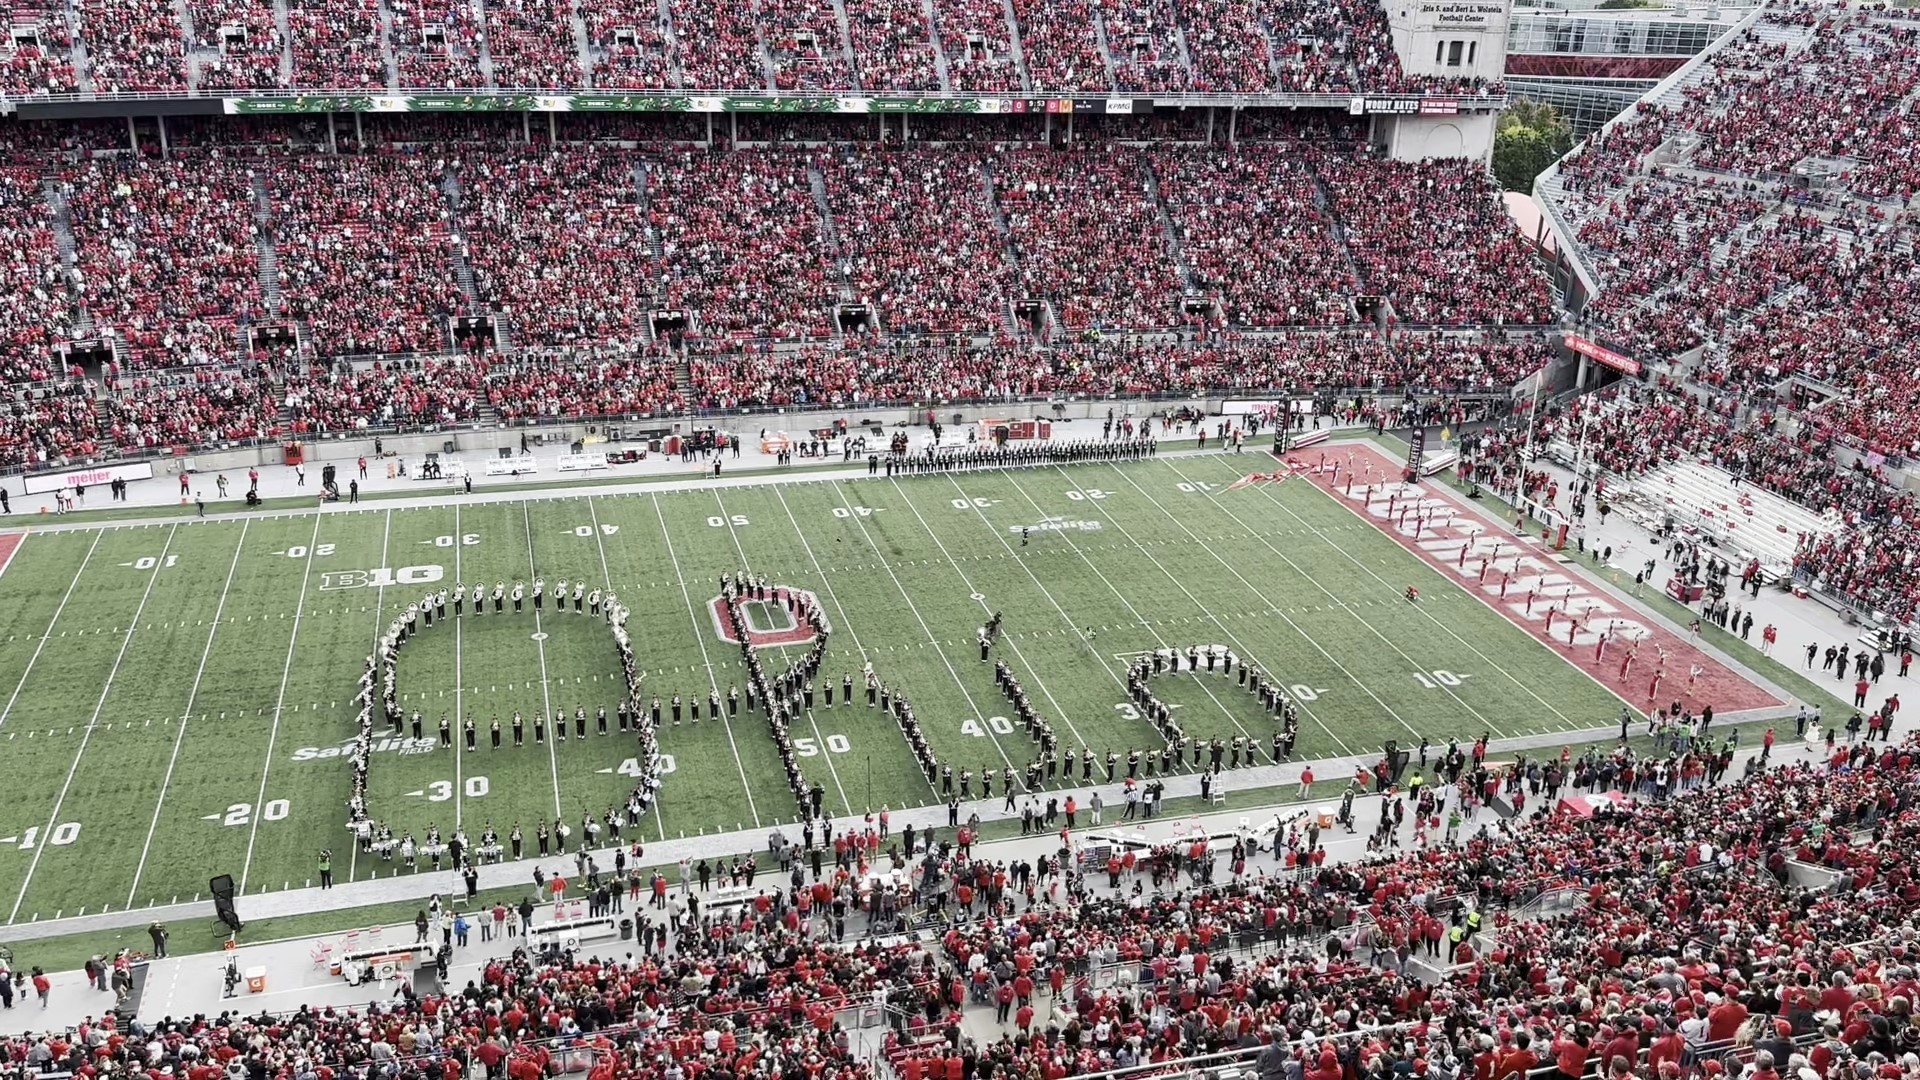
(447, 447)
(626, 929)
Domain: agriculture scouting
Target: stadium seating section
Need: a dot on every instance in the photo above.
(875, 46)
(1751, 223)
(236, 276)
(1659, 943)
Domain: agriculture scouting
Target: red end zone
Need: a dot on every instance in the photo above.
(9, 543)
(1552, 601)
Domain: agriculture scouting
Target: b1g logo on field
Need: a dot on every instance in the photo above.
(380, 577)
(770, 621)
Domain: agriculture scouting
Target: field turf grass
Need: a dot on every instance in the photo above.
(175, 696)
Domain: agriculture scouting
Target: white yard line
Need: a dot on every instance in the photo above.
(599, 541)
(186, 715)
(820, 740)
(379, 609)
(546, 694)
(1240, 647)
(279, 706)
(978, 716)
(1254, 591)
(700, 631)
(460, 683)
(48, 635)
(826, 582)
(53, 819)
(1421, 610)
(1032, 670)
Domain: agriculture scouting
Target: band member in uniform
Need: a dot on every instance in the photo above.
(600, 719)
(473, 736)
(580, 721)
(539, 729)
(493, 732)
(676, 710)
(539, 586)
(656, 711)
(624, 712)
(519, 597)
(946, 780)
(479, 599)
(713, 703)
(733, 701)
(579, 593)
(459, 598)
(416, 725)
(446, 732)
(499, 597)
(519, 730)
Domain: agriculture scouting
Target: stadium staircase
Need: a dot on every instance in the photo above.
(760, 49)
(283, 21)
(846, 44)
(1014, 327)
(483, 56)
(269, 266)
(940, 64)
(457, 248)
(1019, 50)
(69, 254)
(1745, 521)
(387, 53)
(682, 376)
(583, 42)
(673, 52)
(1188, 279)
(1106, 53)
(830, 239)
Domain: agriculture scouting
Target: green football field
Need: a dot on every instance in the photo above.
(177, 698)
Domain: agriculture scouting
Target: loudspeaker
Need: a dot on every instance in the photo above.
(223, 893)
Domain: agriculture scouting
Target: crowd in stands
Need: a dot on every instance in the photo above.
(34, 299)
(979, 49)
(718, 46)
(557, 242)
(1687, 951)
(1087, 233)
(918, 241)
(1709, 246)
(629, 43)
(753, 274)
(1143, 40)
(364, 251)
(42, 57)
(438, 43)
(1058, 44)
(133, 45)
(883, 46)
(166, 254)
(1462, 263)
(892, 45)
(1250, 227)
(240, 44)
(531, 44)
(179, 256)
(804, 42)
(337, 44)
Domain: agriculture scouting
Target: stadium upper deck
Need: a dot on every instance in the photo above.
(1036, 47)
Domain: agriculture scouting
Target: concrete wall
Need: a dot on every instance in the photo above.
(468, 439)
(1468, 135)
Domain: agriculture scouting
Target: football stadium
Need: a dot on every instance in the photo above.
(958, 540)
